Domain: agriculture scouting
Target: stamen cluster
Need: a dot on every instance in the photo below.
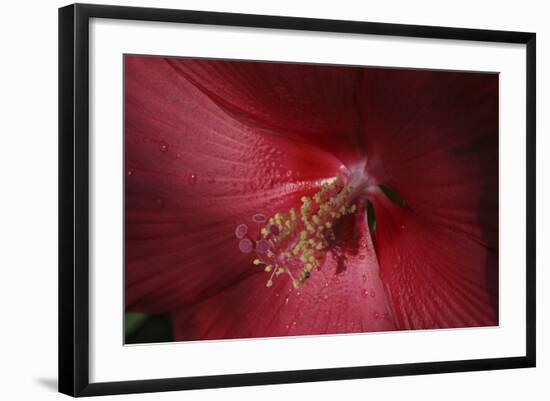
(295, 243)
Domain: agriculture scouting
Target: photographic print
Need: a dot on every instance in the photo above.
(269, 199)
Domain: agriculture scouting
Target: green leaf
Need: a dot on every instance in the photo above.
(133, 321)
(155, 329)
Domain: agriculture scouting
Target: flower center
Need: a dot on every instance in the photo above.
(296, 242)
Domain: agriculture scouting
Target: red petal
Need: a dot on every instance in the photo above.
(344, 296)
(434, 276)
(311, 103)
(433, 137)
(194, 174)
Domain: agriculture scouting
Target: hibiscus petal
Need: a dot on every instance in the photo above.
(434, 276)
(312, 103)
(194, 174)
(345, 296)
(433, 138)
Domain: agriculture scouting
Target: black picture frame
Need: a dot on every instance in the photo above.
(74, 198)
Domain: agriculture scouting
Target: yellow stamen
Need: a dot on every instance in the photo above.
(302, 240)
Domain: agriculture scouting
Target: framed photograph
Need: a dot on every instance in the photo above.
(251, 199)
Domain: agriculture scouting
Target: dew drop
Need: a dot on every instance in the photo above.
(192, 179)
(364, 293)
(129, 173)
(241, 231)
(364, 278)
(286, 300)
(262, 246)
(259, 218)
(178, 155)
(163, 147)
(294, 323)
(245, 245)
(376, 315)
(372, 293)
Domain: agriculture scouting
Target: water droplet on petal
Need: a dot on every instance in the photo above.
(245, 245)
(164, 147)
(241, 231)
(364, 278)
(262, 246)
(286, 300)
(178, 155)
(129, 173)
(192, 179)
(372, 293)
(364, 293)
(376, 315)
(259, 218)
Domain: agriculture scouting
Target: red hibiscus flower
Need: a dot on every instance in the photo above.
(269, 199)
